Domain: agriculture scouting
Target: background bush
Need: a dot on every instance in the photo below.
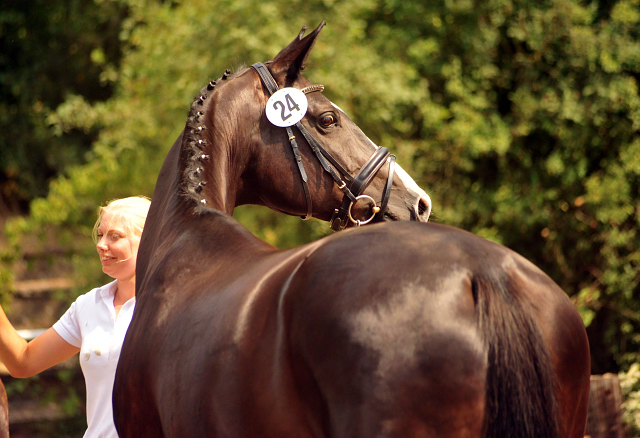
(521, 120)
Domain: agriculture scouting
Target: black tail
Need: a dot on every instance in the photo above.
(521, 394)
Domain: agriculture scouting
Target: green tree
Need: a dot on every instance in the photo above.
(519, 118)
(48, 51)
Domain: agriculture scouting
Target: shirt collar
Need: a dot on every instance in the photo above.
(109, 290)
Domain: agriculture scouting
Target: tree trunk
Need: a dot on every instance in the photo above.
(605, 415)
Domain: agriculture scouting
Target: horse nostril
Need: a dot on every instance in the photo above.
(424, 207)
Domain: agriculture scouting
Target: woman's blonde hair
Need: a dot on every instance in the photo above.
(131, 211)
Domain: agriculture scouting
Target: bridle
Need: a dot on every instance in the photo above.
(352, 187)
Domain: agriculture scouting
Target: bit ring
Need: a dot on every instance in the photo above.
(374, 208)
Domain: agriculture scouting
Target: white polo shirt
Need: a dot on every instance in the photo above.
(90, 324)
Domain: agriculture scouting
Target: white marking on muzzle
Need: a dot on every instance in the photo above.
(415, 190)
(417, 194)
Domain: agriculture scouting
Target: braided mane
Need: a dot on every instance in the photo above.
(195, 152)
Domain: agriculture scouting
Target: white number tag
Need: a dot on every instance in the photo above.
(286, 107)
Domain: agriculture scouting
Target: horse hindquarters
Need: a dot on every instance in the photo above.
(389, 348)
(412, 368)
(381, 358)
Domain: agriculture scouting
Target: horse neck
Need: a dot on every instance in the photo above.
(209, 173)
(175, 207)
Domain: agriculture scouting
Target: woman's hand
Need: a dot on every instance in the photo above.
(24, 359)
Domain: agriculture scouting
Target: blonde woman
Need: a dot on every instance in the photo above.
(96, 322)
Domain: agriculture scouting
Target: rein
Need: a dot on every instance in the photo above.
(352, 187)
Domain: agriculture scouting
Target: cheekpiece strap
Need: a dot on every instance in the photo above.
(272, 87)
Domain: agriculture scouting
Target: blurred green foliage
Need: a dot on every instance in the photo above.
(49, 52)
(630, 387)
(521, 119)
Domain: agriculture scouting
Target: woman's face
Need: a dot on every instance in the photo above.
(117, 248)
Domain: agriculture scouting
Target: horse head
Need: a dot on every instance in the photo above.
(232, 154)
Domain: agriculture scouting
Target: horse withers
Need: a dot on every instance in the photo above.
(396, 329)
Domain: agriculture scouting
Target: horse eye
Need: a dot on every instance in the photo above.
(327, 120)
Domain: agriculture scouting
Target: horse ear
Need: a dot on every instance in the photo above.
(290, 60)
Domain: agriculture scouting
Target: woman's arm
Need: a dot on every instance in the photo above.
(24, 359)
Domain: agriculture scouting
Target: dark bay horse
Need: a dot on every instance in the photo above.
(4, 412)
(395, 329)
